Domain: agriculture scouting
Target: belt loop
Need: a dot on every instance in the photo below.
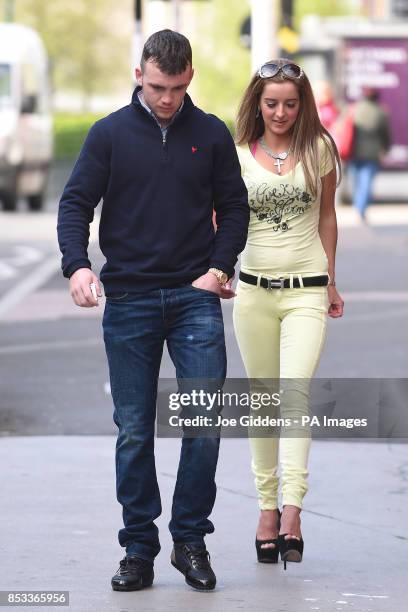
(300, 280)
(258, 280)
(291, 281)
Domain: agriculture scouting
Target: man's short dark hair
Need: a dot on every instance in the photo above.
(170, 50)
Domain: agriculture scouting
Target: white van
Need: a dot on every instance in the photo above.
(26, 132)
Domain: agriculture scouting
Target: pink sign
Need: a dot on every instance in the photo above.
(382, 63)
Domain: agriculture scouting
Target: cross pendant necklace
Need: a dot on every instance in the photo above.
(278, 163)
(278, 157)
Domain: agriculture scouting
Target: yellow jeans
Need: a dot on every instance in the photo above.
(280, 333)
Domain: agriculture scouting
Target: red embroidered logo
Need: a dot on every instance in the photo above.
(194, 149)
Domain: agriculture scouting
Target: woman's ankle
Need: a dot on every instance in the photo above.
(269, 519)
(290, 521)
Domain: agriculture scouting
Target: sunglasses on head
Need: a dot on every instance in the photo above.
(271, 69)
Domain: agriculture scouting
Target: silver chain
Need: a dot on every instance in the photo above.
(282, 156)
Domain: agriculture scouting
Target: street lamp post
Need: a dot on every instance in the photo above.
(137, 40)
(264, 44)
(176, 14)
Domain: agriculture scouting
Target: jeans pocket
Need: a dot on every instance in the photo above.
(204, 291)
(116, 297)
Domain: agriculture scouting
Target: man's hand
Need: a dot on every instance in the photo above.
(209, 282)
(80, 288)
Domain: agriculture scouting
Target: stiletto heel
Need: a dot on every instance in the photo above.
(268, 555)
(290, 550)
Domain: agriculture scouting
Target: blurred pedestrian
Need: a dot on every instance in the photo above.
(371, 141)
(326, 106)
(160, 165)
(287, 280)
(329, 114)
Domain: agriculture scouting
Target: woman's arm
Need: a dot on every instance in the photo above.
(328, 236)
(328, 220)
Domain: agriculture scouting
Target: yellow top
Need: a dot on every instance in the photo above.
(283, 235)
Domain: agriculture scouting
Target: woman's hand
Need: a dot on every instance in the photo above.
(336, 304)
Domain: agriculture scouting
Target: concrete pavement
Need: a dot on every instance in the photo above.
(60, 521)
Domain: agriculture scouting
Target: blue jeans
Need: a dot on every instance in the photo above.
(363, 173)
(135, 328)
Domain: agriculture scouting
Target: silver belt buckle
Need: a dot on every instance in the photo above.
(276, 283)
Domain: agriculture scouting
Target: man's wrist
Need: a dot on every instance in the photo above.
(220, 275)
(80, 268)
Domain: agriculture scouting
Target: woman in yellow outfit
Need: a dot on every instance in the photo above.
(287, 280)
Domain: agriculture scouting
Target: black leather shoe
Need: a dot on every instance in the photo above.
(193, 560)
(133, 574)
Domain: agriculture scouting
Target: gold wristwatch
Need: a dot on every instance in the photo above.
(221, 276)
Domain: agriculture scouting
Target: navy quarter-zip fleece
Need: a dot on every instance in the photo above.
(158, 195)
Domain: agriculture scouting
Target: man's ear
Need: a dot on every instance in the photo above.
(139, 76)
(192, 74)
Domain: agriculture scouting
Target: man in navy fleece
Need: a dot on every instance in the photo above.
(160, 165)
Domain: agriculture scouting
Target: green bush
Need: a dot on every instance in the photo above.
(70, 130)
(230, 123)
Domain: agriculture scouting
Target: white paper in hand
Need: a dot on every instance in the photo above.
(93, 290)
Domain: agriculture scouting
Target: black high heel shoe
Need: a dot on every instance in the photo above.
(290, 549)
(268, 555)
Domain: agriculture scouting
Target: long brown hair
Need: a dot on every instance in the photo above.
(307, 129)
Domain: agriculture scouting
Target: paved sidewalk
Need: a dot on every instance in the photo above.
(60, 520)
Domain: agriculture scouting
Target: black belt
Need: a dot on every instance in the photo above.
(284, 283)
